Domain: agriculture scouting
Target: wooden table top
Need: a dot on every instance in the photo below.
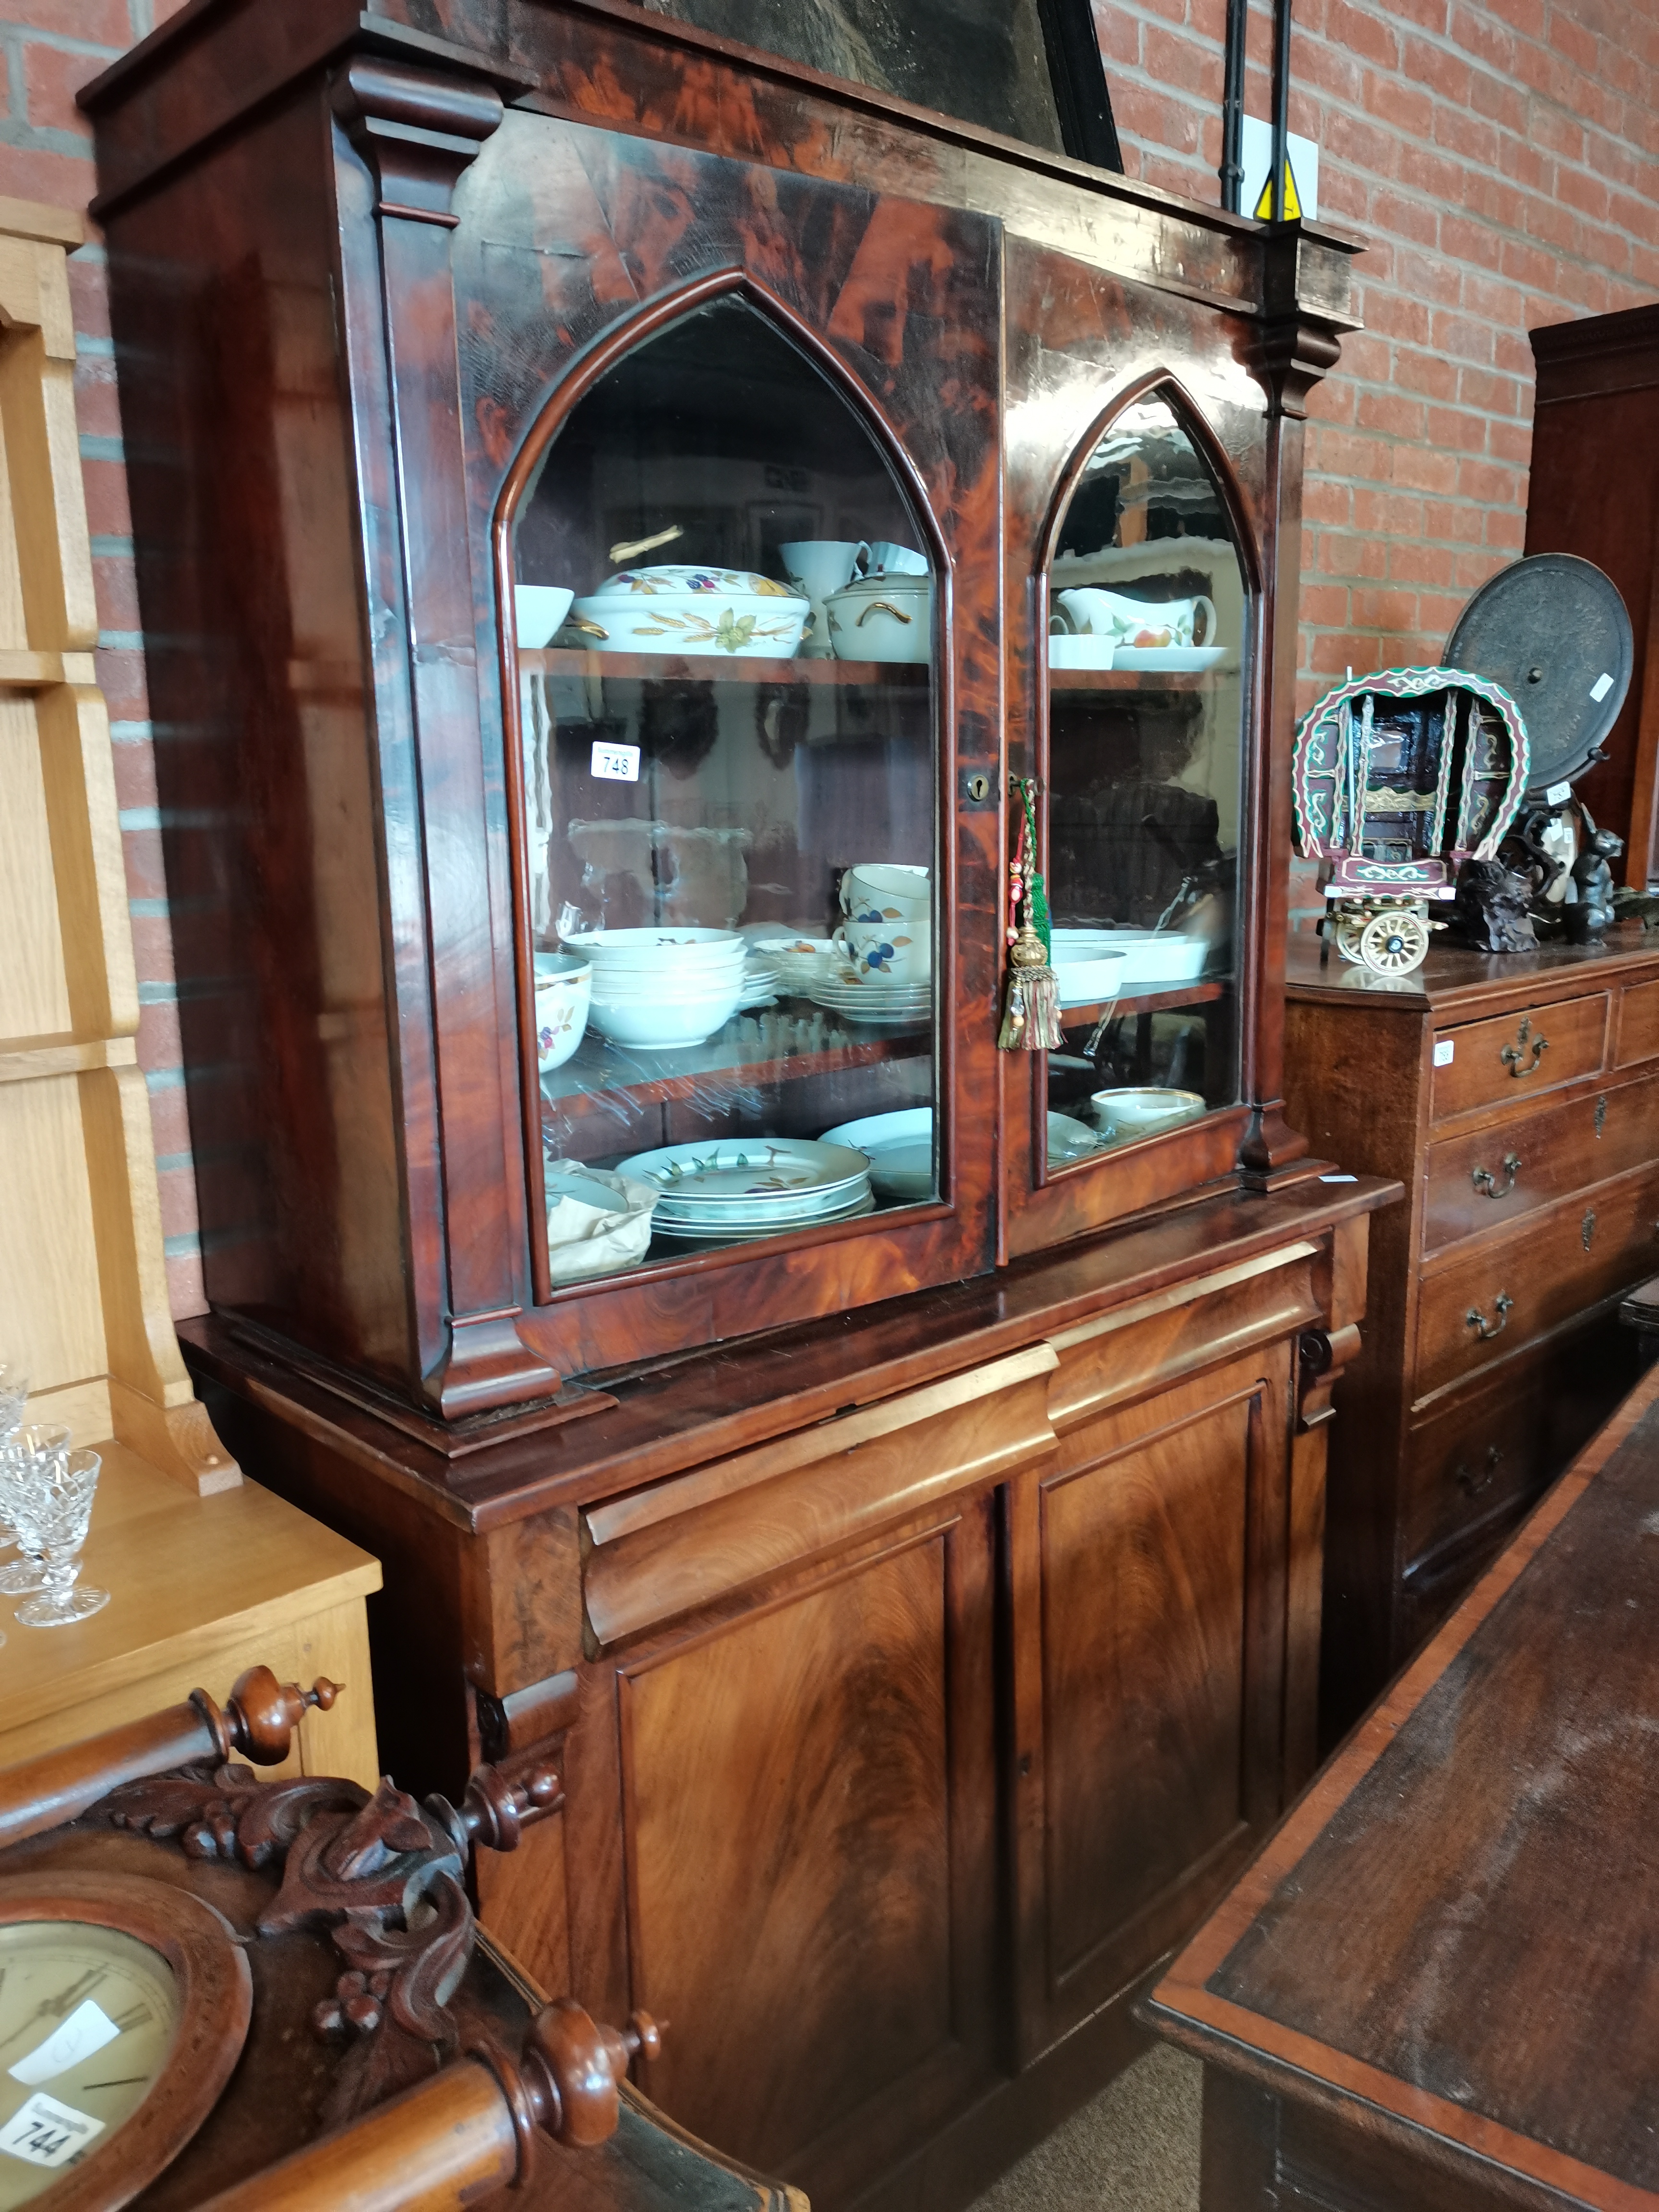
(1453, 1938)
(185, 1575)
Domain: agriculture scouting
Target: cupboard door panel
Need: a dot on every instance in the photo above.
(799, 1875)
(1160, 1676)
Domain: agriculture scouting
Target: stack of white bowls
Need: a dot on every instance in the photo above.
(662, 990)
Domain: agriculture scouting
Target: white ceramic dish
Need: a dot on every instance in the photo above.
(676, 579)
(656, 948)
(744, 1169)
(1066, 652)
(1151, 957)
(1172, 659)
(900, 1148)
(1121, 1116)
(1091, 982)
(883, 617)
(732, 625)
(664, 1022)
(794, 1208)
(634, 985)
(564, 987)
(537, 611)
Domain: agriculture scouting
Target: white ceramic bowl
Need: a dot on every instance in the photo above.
(665, 1022)
(632, 990)
(665, 948)
(538, 609)
(1120, 1116)
(563, 991)
(736, 625)
(1091, 982)
(1151, 956)
(883, 618)
(675, 578)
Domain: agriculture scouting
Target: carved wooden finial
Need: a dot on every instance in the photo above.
(573, 2068)
(261, 1714)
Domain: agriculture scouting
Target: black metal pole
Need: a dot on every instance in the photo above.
(1232, 106)
(1281, 154)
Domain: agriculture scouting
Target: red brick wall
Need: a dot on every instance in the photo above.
(1501, 155)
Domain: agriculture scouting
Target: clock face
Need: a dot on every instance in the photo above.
(87, 2014)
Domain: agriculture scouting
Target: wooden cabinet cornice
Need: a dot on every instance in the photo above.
(930, 1597)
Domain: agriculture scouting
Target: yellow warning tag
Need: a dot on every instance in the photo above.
(1264, 206)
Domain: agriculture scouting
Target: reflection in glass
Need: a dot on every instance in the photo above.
(1146, 602)
(725, 631)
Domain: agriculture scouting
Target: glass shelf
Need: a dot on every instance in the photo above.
(681, 668)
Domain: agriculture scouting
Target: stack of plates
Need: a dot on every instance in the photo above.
(799, 961)
(735, 1189)
(860, 996)
(760, 979)
(1151, 956)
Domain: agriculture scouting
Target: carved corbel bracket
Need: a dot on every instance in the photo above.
(418, 133)
(1306, 306)
(1321, 1359)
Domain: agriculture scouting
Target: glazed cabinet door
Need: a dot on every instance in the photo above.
(1139, 479)
(792, 1804)
(1148, 1559)
(732, 475)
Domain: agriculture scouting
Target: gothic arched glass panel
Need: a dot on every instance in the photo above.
(1147, 606)
(726, 606)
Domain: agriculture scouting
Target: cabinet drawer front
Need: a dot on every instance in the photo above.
(1485, 1307)
(1478, 1183)
(1491, 1448)
(1512, 1056)
(1638, 1023)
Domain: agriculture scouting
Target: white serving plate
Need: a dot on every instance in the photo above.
(759, 1217)
(745, 1167)
(693, 1239)
(1170, 659)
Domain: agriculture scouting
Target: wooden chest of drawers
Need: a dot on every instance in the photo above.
(1517, 1099)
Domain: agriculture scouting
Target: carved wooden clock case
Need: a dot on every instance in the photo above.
(931, 1588)
(218, 1990)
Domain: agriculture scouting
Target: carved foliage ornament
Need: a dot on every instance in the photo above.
(381, 1873)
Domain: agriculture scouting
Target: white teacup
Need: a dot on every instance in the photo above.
(817, 567)
(889, 928)
(881, 554)
(1090, 612)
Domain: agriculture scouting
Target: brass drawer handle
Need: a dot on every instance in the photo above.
(1484, 1181)
(1473, 1485)
(1485, 1330)
(1513, 1055)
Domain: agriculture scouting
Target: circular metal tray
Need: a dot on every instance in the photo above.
(1550, 629)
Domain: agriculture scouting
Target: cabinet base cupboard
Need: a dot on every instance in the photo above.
(614, 511)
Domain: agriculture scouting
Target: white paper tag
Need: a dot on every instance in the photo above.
(87, 2028)
(1557, 795)
(1445, 1051)
(1601, 688)
(45, 2133)
(617, 763)
(1339, 1178)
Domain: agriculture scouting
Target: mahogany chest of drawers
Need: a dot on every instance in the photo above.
(1517, 1099)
